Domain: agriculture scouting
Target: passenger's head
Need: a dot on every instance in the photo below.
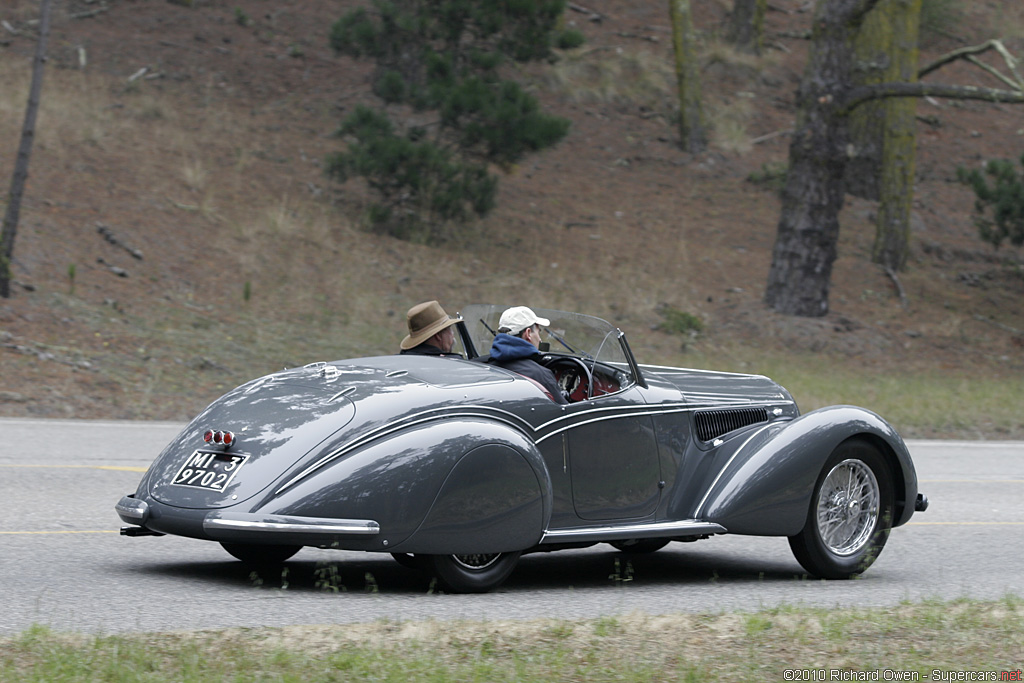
(429, 323)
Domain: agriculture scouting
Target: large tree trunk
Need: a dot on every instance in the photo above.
(874, 60)
(899, 142)
(746, 25)
(693, 136)
(10, 224)
(805, 245)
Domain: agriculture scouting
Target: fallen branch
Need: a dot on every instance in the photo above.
(167, 43)
(594, 16)
(899, 285)
(771, 136)
(138, 74)
(77, 15)
(1000, 325)
(109, 236)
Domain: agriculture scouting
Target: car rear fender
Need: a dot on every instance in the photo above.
(445, 486)
(766, 482)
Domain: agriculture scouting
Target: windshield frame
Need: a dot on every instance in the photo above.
(588, 338)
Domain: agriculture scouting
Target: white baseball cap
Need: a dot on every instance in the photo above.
(518, 318)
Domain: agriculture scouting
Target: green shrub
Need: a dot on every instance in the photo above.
(999, 207)
(444, 56)
(680, 322)
(772, 175)
(421, 185)
(570, 39)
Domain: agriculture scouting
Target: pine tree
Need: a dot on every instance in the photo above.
(444, 57)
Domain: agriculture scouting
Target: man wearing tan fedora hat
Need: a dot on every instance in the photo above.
(430, 331)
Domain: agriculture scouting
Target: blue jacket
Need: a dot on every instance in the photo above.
(518, 355)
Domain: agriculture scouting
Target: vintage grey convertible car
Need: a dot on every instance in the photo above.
(457, 467)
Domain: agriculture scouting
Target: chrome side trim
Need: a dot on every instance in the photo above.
(639, 411)
(668, 369)
(688, 527)
(506, 417)
(226, 522)
(721, 472)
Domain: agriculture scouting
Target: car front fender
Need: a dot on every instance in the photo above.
(767, 480)
(455, 485)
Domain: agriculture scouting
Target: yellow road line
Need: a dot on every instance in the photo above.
(84, 467)
(972, 481)
(40, 533)
(965, 523)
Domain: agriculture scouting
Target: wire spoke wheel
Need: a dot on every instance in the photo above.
(473, 573)
(848, 506)
(476, 562)
(850, 513)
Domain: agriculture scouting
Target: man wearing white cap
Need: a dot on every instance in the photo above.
(516, 348)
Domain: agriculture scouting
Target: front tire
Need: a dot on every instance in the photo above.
(261, 555)
(472, 573)
(850, 514)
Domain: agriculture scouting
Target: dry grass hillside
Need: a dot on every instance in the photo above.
(178, 235)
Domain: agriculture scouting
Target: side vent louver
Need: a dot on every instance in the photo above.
(714, 423)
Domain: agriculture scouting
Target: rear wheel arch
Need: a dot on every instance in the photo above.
(493, 500)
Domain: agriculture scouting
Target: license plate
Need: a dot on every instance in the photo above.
(210, 470)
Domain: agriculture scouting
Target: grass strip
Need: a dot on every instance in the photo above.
(934, 640)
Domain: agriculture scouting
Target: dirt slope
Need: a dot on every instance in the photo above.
(207, 165)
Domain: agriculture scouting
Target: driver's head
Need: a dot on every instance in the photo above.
(520, 321)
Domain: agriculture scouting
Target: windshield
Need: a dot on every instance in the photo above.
(571, 334)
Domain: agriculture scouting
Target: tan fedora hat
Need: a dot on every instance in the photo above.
(425, 320)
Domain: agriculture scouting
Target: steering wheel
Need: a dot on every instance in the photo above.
(573, 376)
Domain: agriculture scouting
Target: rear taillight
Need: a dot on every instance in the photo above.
(219, 437)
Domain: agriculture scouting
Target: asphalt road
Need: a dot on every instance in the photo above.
(63, 564)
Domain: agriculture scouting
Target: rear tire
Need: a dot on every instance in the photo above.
(409, 561)
(850, 514)
(472, 573)
(261, 555)
(640, 545)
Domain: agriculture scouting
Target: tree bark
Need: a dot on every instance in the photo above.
(808, 230)
(899, 142)
(886, 51)
(746, 25)
(11, 215)
(693, 136)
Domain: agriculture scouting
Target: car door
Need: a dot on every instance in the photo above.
(613, 457)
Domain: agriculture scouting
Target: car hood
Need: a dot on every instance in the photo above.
(703, 388)
(287, 419)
